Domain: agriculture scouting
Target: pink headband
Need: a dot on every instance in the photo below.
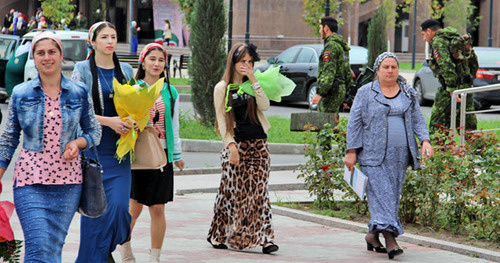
(146, 49)
(46, 35)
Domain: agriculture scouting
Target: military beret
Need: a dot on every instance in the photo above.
(429, 23)
(327, 19)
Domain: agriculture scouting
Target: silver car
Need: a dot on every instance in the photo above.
(489, 73)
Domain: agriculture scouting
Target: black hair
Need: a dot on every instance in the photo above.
(251, 49)
(433, 24)
(331, 23)
(93, 69)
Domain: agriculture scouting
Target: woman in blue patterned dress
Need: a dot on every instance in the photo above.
(100, 236)
(384, 120)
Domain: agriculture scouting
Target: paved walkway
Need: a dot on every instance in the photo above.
(189, 217)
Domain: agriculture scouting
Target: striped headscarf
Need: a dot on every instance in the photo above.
(92, 31)
(146, 49)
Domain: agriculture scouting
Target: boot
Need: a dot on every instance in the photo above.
(154, 255)
(126, 253)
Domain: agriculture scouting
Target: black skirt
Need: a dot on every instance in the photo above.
(151, 187)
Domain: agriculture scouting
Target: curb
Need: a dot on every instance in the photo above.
(184, 97)
(410, 238)
(271, 187)
(191, 145)
(218, 170)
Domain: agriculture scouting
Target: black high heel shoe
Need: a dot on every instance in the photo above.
(270, 248)
(379, 249)
(217, 246)
(395, 252)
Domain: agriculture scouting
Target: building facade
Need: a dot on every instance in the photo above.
(274, 24)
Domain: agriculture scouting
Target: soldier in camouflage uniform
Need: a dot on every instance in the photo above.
(334, 72)
(454, 63)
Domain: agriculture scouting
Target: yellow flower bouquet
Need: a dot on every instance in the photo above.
(133, 102)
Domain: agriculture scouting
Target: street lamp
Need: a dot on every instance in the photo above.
(327, 8)
(230, 26)
(490, 40)
(413, 42)
(247, 34)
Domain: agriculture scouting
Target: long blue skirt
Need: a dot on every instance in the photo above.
(100, 236)
(45, 213)
(383, 190)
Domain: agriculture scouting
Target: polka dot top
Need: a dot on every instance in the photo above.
(48, 167)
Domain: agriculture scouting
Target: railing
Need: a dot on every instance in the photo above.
(463, 110)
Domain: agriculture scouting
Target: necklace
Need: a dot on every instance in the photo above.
(50, 104)
(108, 85)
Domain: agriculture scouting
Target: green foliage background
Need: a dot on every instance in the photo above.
(377, 35)
(208, 56)
(58, 10)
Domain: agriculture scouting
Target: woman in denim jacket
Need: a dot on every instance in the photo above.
(57, 119)
(384, 120)
(100, 236)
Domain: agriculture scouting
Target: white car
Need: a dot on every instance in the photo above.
(74, 50)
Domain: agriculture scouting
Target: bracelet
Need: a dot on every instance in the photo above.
(255, 85)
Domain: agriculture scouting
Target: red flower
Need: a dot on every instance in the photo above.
(325, 167)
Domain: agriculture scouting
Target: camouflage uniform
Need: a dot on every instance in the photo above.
(334, 74)
(454, 71)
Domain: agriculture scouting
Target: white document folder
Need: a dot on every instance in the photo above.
(357, 181)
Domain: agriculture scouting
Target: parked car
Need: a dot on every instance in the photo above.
(8, 44)
(489, 73)
(74, 50)
(300, 64)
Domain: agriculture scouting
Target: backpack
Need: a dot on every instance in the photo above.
(460, 46)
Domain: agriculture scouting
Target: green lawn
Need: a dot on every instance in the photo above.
(179, 81)
(279, 132)
(407, 66)
(491, 124)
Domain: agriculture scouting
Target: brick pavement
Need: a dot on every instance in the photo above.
(188, 220)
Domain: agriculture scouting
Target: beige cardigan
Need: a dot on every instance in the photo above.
(220, 111)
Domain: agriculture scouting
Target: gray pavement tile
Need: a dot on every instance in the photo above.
(189, 217)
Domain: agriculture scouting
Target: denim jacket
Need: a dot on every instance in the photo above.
(26, 113)
(82, 73)
(367, 129)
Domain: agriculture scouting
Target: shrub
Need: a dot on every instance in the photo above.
(324, 170)
(457, 189)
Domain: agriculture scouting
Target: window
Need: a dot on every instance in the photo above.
(6, 48)
(306, 55)
(287, 56)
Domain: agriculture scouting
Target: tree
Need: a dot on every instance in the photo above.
(377, 34)
(456, 13)
(208, 57)
(314, 10)
(187, 7)
(64, 10)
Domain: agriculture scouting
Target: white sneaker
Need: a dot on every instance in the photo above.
(126, 253)
(154, 255)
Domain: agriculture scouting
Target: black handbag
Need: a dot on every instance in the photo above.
(93, 199)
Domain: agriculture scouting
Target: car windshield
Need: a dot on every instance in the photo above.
(358, 55)
(6, 48)
(488, 57)
(75, 50)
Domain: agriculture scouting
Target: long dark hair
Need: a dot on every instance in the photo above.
(234, 56)
(141, 73)
(93, 69)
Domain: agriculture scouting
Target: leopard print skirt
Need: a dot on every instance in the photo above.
(242, 210)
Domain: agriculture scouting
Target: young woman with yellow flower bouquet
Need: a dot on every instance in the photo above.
(154, 188)
(100, 236)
